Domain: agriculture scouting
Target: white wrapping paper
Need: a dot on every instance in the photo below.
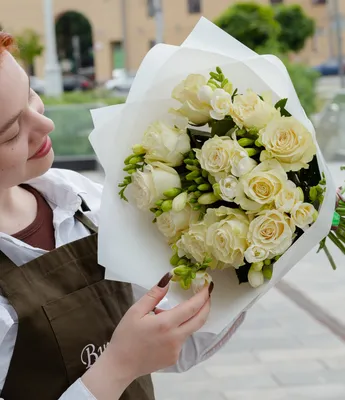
(130, 246)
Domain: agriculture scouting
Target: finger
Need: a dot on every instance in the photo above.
(196, 322)
(157, 311)
(153, 297)
(186, 310)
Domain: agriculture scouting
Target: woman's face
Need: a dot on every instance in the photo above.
(25, 149)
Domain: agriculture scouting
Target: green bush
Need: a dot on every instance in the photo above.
(93, 96)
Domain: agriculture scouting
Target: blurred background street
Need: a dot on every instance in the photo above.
(81, 56)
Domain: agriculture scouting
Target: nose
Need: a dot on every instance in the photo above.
(39, 125)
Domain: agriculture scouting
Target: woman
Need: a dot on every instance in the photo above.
(65, 332)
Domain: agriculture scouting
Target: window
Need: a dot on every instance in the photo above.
(317, 2)
(150, 8)
(194, 6)
(276, 1)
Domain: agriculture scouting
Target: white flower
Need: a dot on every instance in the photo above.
(201, 280)
(228, 188)
(256, 254)
(227, 238)
(250, 112)
(221, 104)
(187, 93)
(148, 186)
(261, 186)
(303, 214)
(179, 202)
(205, 94)
(255, 278)
(172, 223)
(288, 197)
(193, 243)
(215, 155)
(241, 163)
(271, 231)
(166, 144)
(289, 142)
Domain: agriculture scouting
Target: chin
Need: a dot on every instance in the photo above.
(41, 166)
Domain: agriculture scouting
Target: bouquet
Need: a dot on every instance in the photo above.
(223, 175)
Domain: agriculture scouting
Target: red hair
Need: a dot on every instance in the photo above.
(6, 42)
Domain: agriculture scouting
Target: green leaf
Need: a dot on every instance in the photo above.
(242, 273)
(221, 128)
(281, 105)
(234, 95)
(198, 138)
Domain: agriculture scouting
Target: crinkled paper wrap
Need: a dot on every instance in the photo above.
(130, 246)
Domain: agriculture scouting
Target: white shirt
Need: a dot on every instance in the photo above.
(61, 189)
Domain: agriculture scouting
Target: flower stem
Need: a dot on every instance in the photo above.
(330, 258)
(337, 242)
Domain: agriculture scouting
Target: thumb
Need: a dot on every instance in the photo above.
(154, 296)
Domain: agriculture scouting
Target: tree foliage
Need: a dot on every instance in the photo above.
(29, 47)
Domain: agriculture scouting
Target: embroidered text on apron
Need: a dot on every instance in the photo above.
(67, 313)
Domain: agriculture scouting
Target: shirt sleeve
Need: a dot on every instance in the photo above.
(77, 391)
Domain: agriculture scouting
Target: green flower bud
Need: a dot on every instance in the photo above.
(207, 198)
(204, 173)
(174, 259)
(205, 187)
(216, 190)
(245, 142)
(135, 160)
(131, 171)
(268, 272)
(197, 194)
(127, 180)
(158, 213)
(258, 143)
(193, 201)
(192, 168)
(153, 210)
(193, 175)
(171, 193)
(138, 150)
(128, 158)
(130, 167)
(181, 270)
(191, 155)
(257, 266)
(167, 205)
(228, 87)
(199, 181)
(267, 262)
(313, 194)
(197, 207)
(208, 260)
(315, 215)
(183, 261)
(179, 202)
(192, 188)
(188, 161)
(159, 203)
(301, 194)
(241, 132)
(219, 70)
(252, 152)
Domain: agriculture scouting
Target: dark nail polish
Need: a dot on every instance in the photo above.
(210, 288)
(165, 280)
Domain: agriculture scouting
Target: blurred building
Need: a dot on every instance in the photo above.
(106, 29)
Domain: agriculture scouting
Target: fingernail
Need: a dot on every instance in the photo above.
(210, 288)
(165, 280)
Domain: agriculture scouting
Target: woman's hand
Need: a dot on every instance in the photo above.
(144, 342)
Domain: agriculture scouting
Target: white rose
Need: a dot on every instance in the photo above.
(227, 238)
(261, 186)
(148, 186)
(166, 144)
(289, 142)
(215, 155)
(256, 254)
(303, 215)
(251, 112)
(171, 223)
(271, 231)
(193, 243)
(196, 109)
(221, 104)
(228, 188)
(201, 280)
(288, 197)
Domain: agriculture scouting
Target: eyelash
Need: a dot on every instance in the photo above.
(15, 138)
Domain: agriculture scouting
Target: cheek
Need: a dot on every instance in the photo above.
(13, 160)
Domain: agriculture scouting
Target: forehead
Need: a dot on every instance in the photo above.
(13, 87)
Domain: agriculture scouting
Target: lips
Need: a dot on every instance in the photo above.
(43, 150)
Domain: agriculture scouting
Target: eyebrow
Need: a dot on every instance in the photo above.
(13, 119)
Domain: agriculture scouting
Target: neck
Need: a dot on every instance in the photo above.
(18, 209)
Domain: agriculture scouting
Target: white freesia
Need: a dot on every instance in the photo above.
(193, 243)
(255, 278)
(179, 202)
(221, 104)
(251, 112)
(166, 144)
(303, 215)
(201, 280)
(187, 93)
(205, 94)
(289, 142)
(227, 237)
(171, 223)
(148, 186)
(215, 155)
(288, 197)
(228, 188)
(261, 186)
(271, 231)
(256, 254)
(241, 163)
